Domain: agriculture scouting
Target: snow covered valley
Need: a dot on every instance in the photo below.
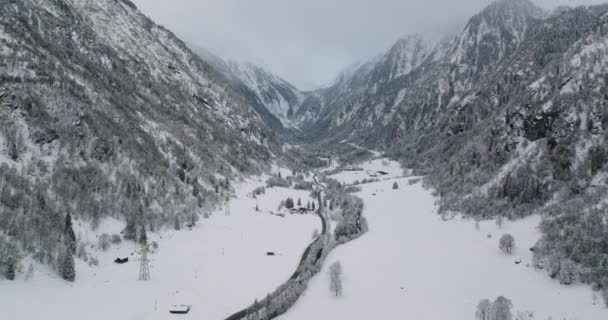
(410, 264)
(413, 265)
(218, 267)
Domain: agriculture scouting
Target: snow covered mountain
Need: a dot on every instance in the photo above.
(508, 118)
(328, 108)
(105, 113)
(280, 98)
(275, 99)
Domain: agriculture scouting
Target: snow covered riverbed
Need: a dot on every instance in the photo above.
(413, 265)
(218, 268)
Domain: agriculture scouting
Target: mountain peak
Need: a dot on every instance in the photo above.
(514, 7)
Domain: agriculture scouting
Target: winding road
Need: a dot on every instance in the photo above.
(242, 314)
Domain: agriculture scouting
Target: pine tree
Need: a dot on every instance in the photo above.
(299, 202)
(130, 232)
(313, 205)
(68, 271)
(69, 235)
(395, 186)
(10, 269)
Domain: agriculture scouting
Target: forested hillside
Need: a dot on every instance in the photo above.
(103, 113)
(508, 118)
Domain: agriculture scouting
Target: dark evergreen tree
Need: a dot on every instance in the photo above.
(68, 269)
(130, 232)
(69, 235)
(289, 203)
(10, 269)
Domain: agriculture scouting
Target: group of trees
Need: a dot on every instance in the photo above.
(500, 309)
(351, 222)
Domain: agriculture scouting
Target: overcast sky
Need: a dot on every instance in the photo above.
(308, 42)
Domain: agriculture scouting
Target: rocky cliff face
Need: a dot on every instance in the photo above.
(105, 113)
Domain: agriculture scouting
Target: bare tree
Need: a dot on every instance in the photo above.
(506, 243)
(500, 221)
(483, 310)
(335, 278)
(501, 309)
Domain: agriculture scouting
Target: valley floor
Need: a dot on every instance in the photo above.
(218, 268)
(413, 265)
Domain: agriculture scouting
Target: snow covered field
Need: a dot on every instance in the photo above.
(413, 265)
(218, 267)
(377, 169)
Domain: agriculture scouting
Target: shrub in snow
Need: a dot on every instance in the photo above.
(103, 242)
(93, 262)
(395, 186)
(413, 181)
(525, 315)
(259, 190)
(605, 296)
(506, 243)
(116, 239)
(289, 203)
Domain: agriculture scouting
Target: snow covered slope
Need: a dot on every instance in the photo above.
(103, 113)
(275, 98)
(279, 97)
(217, 267)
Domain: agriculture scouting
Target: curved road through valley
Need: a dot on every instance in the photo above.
(242, 314)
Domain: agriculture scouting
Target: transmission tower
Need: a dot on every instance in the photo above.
(144, 267)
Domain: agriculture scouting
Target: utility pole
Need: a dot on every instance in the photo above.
(144, 267)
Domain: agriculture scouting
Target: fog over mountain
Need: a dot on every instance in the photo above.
(309, 42)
